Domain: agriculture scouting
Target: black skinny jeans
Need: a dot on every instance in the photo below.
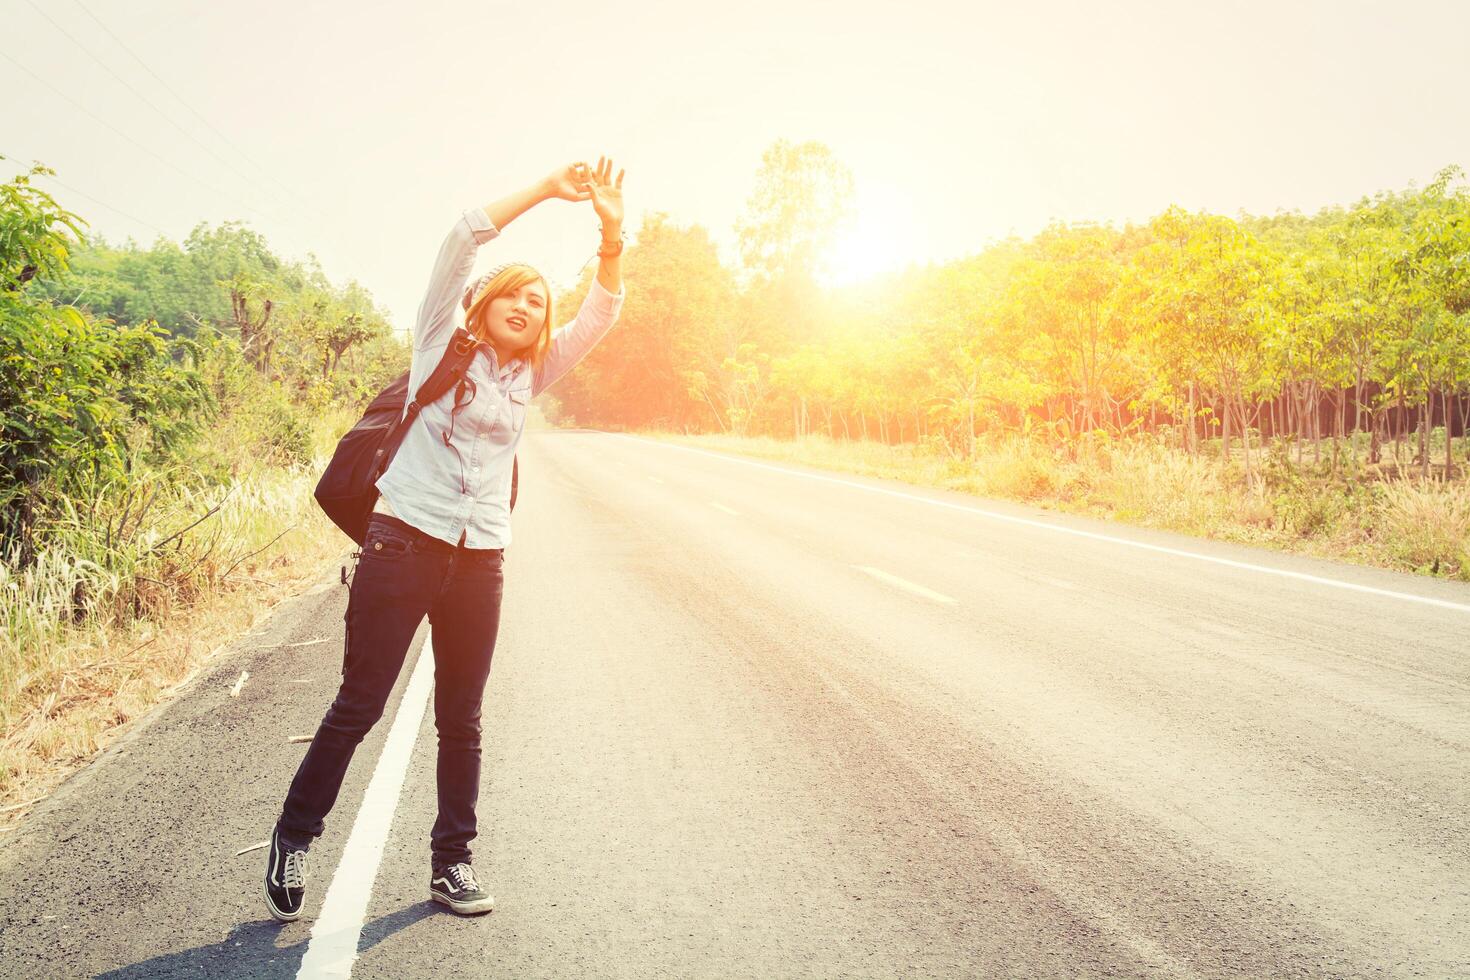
(404, 574)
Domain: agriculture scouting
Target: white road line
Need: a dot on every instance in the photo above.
(728, 510)
(334, 936)
(1058, 529)
(904, 584)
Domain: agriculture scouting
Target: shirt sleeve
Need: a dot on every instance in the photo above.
(571, 343)
(446, 283)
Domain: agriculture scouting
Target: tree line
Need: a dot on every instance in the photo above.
(115, 358)
(1191, 326)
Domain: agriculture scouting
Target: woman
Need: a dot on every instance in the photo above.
(435, 541)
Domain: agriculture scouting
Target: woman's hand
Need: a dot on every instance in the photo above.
(607, 197)
(572, 182)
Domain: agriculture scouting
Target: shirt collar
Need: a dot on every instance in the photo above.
(508, 371)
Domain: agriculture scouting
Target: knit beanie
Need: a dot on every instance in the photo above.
(474, 288)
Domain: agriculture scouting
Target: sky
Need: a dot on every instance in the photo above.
(360, 131)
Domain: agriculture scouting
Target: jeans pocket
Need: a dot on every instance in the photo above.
(383, 540)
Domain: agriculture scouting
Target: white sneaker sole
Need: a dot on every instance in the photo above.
(277, 913)
(463, 908)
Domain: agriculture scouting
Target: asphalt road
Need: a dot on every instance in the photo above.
(748, 719)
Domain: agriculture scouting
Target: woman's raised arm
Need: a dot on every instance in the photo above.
(605, 295)
(569, 183)
(456, 258)
(473, 229)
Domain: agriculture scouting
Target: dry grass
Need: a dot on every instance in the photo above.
(1411, 525)
(97, 634)
(1426, 526)
(114, 617)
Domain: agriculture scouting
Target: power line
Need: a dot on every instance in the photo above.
(168, 162)
(162, 159)
(146, 101)
(157, 156)
(196, 113)
(112, 208)
(98, 201)
(302, 202)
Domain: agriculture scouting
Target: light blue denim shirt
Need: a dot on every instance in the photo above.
(426, 485)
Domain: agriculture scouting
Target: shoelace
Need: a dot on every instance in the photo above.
(464, 876)
(294, 872)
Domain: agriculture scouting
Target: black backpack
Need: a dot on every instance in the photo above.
(346, 490)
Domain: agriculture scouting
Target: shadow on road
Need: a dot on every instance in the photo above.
(250, 950)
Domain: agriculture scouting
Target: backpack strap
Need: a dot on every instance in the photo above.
(447, 373)
(451, 369)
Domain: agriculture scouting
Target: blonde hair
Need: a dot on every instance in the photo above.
(504, 281)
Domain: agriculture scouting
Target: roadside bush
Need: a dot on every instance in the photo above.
(1426, 525)
(265, 429)
(1146, 481)
(80, 397)
(1018, 468)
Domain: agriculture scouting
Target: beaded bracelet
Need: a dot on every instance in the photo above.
(610, 248)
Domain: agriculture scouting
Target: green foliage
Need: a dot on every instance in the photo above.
(1244, 335)
(286, 436)
(33, 227)
(674, 334)
(113, 360)
(290, 321)
(80, 398)
(1200, 328)
(1217, 331)
(1070, 293)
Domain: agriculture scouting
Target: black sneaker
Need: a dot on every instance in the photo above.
(285, 879)
(456, 887)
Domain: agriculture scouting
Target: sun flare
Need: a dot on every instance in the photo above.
(878, 238)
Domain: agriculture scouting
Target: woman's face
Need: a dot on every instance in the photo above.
(515, 319)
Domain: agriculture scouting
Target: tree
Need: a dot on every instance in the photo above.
(802, 194)
(328, 322)
(1437, 264)
(677, 320)
(1070, 292)
(79, 397)
(238, 259)
(1212, 307)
